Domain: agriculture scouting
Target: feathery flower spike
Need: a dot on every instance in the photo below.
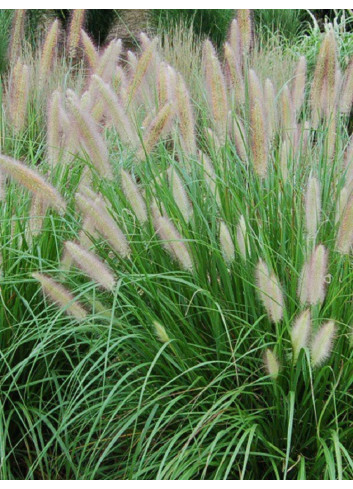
(60, 296)
(91, 265)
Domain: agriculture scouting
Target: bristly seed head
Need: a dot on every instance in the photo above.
(300, 332)
(270, 292)
(321, 345)
(60, 296)
(271, 364)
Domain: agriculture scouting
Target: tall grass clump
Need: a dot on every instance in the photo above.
(176, 263)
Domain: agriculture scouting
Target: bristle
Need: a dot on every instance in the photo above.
(60, 296)
(91, 265)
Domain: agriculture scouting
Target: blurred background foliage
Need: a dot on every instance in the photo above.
(297, 28)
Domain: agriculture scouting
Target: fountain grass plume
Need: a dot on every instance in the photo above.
(60, 296)
(288, 118)
(90, 50)
(298, 85)
(342, 201)
(36, 217)
(161, 332)
(271, 364)
(18, 99)
(239, 136)
(54, 137)
(322, 343)
(133, 195)
(216, 89)
(91, 265)
(311, 287)
(115, 108)
(346, 95)
(209, 175)
(234, 41)
(180, 195)
(185, 116)
(258, 134)
(173, 242)
(234, 75)
(245, 30)
(226, 243)
(300, 333)
(155, 130)
(104, 223)
(344, 239)
(17, 33)
(48, 52)
(270, 292)
(270, 107)
(143, 64)
(77, 19)
(33, 181)
(242, 238)
(324, 84)
(108, 60)
(312, 206)
(90, 136)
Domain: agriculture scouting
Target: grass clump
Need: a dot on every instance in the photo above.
(176, 265)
